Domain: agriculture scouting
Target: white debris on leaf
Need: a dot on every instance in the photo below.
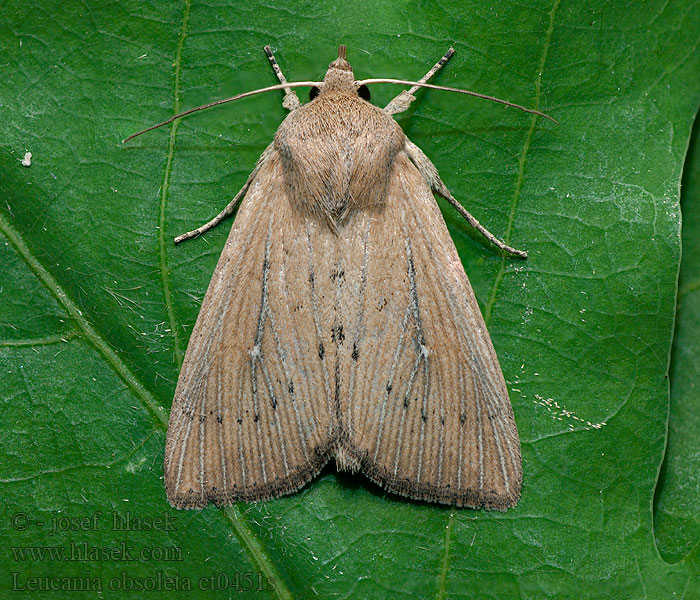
(27, 160)
(560, 413)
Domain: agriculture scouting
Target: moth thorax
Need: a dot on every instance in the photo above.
(337, 156)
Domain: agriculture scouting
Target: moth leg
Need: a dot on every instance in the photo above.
(404, 99)
(430, 173)
(291, 100)
(231, 206)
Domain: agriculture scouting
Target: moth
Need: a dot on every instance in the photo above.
(340, 324)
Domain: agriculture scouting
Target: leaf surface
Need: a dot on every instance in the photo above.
(96, 304)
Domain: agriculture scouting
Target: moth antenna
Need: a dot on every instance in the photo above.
(343, 51)
(271, 88)
(451, 89)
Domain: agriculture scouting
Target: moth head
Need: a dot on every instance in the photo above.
(339, 77)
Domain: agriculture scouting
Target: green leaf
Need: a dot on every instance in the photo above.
(96, 304)
(677, 502)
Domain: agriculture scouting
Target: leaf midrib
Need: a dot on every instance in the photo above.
(248, 540)
(167, 296)
(234, 518)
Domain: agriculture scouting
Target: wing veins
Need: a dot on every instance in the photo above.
(409, 388)
(358, 326)
(422, 348)
(220, 428)
(290, 388)
(496, 419)
(387, 391)
(314, 304)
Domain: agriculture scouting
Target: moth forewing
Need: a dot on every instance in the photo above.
(252, 416)
(423, 404)
(339, 323)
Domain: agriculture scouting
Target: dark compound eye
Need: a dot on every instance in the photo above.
(363, 92)
(313, 92)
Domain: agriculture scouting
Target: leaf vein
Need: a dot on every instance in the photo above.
(521, 167)
(83, 324)
(166, 184)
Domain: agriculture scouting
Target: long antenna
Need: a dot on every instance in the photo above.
(271, 88)
(293, 84)
(451, 89)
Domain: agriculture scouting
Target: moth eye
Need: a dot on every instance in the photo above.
(313, 92)
(363, 92)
